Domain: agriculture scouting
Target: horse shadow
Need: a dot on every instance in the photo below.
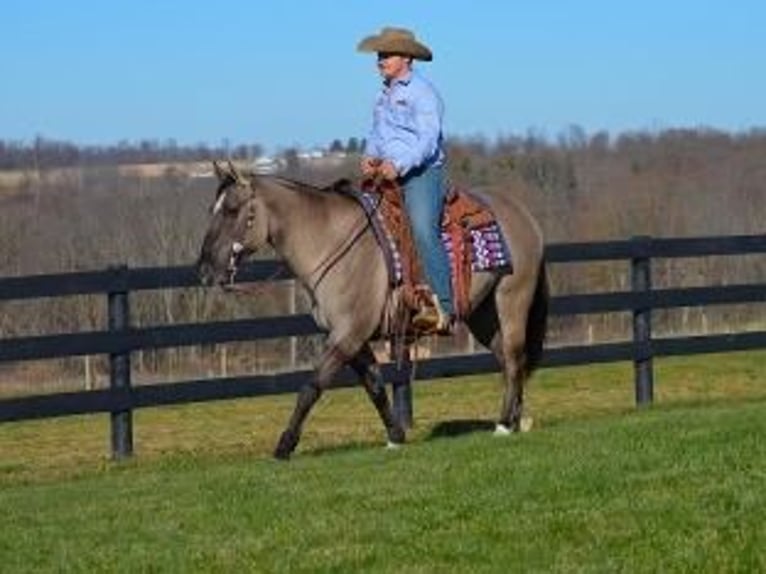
(460, 427)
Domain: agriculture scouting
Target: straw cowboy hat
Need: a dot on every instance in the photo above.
(396, 41)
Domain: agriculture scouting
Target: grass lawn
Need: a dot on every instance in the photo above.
(72, 446)
(597, 486)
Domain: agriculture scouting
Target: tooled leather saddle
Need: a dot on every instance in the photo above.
(470, 233)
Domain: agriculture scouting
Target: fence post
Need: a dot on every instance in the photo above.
(119, 367)
(641, 282)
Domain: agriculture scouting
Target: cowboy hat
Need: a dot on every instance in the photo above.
(396, 41)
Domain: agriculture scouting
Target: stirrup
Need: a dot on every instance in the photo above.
(432, 320)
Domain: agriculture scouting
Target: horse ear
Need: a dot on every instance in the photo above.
(236, 174)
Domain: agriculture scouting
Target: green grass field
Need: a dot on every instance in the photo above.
(596, 487)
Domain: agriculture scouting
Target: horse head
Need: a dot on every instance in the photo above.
(238, 226)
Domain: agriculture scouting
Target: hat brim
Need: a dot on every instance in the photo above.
(401, 46)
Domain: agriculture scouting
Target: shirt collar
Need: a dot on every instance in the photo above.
(404, 80)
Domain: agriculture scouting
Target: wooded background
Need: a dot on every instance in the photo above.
(66, 208)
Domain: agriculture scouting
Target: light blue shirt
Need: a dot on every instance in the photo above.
(407, 124)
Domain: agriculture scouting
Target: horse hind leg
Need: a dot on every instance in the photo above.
(505, 338)
(511, 413)
(366, 366)
(513, 308)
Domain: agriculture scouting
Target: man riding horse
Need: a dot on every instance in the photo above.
(345, 268)
(406, 145)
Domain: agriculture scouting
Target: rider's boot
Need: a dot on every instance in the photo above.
(432, 319)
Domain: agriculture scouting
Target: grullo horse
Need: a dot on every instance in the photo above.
(326, 240)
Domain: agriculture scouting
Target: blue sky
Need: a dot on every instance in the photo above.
(285, 72)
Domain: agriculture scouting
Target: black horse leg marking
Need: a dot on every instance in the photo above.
(367, 368)
(331, 361)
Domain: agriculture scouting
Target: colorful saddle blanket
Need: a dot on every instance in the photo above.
(489, 250)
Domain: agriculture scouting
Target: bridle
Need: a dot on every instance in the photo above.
(237, 249)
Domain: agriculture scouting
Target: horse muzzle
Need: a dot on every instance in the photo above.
(221, 272)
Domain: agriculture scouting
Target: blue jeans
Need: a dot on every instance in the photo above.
(424, 194)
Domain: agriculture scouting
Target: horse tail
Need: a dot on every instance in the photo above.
(537, 321)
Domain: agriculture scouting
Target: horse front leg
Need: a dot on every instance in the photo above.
(331, 360)
(366, 366)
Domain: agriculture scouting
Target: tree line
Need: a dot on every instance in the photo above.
(46, 153)
(580, 187)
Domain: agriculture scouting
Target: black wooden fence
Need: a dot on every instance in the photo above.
(119, 339)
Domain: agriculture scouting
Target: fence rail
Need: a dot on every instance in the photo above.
(119, 339)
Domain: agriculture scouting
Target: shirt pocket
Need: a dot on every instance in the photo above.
(402, 113)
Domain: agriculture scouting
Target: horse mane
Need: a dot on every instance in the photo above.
(342, 186)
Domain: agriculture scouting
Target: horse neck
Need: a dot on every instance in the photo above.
(306, 226)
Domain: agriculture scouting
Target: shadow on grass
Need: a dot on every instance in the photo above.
(446, 429)
(351, 446)
(460, 427)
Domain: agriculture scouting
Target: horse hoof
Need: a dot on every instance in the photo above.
(281, 456)
(286, 445)
(526, 423)
(390, 445)
(396, 435)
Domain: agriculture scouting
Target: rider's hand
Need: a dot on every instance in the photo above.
(387, 170)
(369, 166)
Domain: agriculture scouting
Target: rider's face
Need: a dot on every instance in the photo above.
(393, 66)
